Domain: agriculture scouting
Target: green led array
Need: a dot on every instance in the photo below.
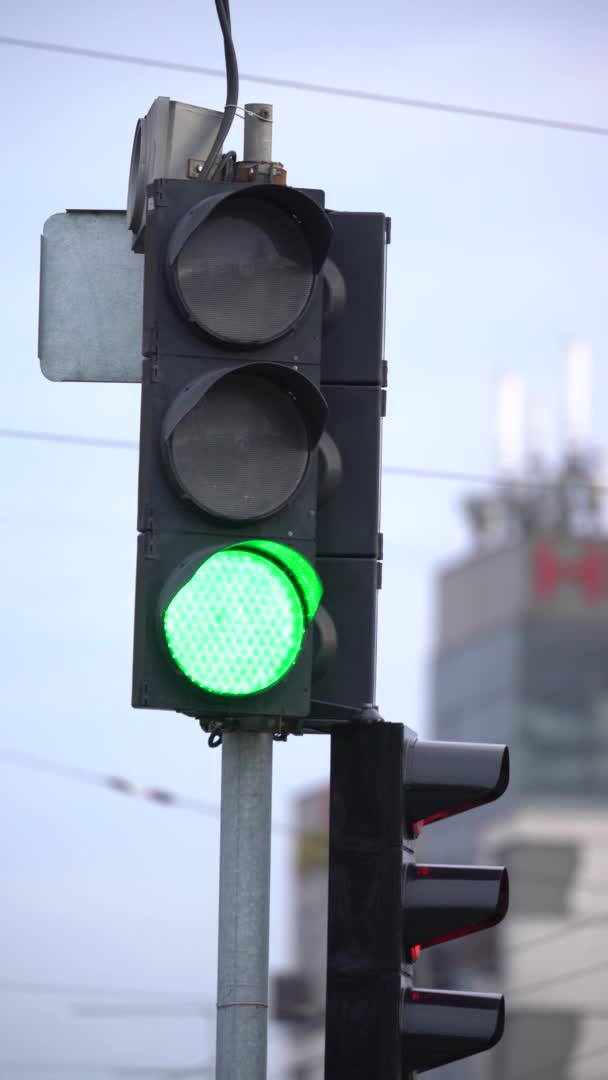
(237, 626)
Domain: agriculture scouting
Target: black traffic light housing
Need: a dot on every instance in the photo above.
(262, 399)
(232, 410)
(383, 907)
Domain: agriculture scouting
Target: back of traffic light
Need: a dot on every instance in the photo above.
(442, 903)
(384, 907)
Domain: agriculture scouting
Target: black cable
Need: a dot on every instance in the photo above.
(74, 440)
(120, 785)
(313, 88)
(232, 89)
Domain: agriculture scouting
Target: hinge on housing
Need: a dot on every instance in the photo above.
(148, 519)
(379, 574)
(155, 362)
(380, 545)
(150, 545)
(389, 229)
(384, 373)
(160, 195)
(383, 403)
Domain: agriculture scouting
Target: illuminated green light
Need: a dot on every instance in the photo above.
(300, 569)
(237, 625)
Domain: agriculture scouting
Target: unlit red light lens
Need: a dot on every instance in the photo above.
(237, 625)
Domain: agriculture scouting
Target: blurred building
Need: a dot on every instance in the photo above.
(520, 656)
(298, 997)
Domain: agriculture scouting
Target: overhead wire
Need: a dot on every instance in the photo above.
(31, 987)
(121, 785)
(412, 471)
(170, 1072)
(314, 88)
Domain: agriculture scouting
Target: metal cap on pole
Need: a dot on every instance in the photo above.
(257, 164)
(258, 132)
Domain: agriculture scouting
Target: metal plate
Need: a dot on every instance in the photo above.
(91, 299)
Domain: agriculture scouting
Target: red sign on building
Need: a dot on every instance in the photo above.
(589, 572)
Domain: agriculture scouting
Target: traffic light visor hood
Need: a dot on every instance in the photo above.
(238, 442)
(447, 778)
(441, 1026)
(234, 619)
(243, 265)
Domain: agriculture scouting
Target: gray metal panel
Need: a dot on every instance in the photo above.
(91, 299)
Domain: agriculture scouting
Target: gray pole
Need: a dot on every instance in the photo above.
(244, 916)
(258, 132)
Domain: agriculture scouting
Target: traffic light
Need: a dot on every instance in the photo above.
(232, 414)
(262, 398)
(384, 907)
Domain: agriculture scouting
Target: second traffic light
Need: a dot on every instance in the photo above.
(384, 907)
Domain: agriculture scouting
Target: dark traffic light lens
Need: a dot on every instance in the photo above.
(246, 273)
(241, 452)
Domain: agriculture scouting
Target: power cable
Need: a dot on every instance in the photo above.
(313, 88)
(51, 989)
(169, 1011)
(411, 471)
(160, 796)
(222, 8)
(168, 1071)
(73, 440)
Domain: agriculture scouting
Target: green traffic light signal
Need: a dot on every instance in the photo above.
(231, 421)
(235, 626)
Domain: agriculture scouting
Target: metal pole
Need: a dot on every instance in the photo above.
(258, 132)
(244, 916)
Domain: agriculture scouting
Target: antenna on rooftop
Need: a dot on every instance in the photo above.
(578, 397)
(509, 435)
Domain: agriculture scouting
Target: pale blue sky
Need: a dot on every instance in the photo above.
(499, 255)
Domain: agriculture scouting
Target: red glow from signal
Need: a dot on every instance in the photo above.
(441, 814)
(415, 952)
